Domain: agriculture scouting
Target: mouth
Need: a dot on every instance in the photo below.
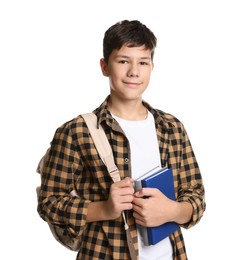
(131, 84)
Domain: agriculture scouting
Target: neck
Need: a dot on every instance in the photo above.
(132, 110)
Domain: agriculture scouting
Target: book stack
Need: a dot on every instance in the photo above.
(162, 179)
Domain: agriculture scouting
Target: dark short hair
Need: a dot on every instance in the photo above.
(132, 33)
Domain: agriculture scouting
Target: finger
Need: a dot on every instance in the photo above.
(139, 201)
(126, 198)
(147, 192)
(137, 208)
(139, 219)
(124, 183)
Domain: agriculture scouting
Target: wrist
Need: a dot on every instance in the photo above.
(183, 212)
(96, 211)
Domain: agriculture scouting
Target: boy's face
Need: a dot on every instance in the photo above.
(129, 70)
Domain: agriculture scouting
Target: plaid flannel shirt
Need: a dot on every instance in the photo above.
(73, 163)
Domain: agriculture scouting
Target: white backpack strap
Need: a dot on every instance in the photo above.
(104, 149)
(102, 145)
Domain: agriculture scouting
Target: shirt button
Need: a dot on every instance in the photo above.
(126, 160)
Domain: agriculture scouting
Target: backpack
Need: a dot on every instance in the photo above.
(106, 155)
(58, 231)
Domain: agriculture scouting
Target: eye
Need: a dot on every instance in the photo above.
(123, 61)
(144, 63)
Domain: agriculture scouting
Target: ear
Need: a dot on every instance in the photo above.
(104, 67)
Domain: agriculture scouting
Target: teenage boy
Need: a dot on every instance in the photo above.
(141, 137)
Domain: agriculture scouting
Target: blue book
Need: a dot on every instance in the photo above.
(162, 179)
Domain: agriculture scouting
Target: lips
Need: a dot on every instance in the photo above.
(133, 84)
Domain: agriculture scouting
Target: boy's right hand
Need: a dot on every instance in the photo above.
(120, 198)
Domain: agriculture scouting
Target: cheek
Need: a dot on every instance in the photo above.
(112, 83)
(147, 77)
(115, 78)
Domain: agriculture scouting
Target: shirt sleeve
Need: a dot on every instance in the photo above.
(190, 183)
(55, 204)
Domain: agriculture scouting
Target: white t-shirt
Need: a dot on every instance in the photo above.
(145, 156)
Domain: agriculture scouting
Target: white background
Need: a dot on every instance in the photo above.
(49, 73)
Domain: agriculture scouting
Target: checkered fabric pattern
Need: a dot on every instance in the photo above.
(73, 163)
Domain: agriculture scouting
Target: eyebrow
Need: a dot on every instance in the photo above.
(127, 57)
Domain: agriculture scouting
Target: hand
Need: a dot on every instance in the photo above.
(120, 198)
(154, 210)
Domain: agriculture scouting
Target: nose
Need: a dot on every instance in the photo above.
(133, 71)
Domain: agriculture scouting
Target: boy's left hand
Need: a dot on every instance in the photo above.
(154, 210)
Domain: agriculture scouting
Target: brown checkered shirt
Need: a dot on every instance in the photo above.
(73, 163)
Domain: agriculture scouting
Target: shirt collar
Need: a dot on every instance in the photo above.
(104, 116)
(160, 117)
